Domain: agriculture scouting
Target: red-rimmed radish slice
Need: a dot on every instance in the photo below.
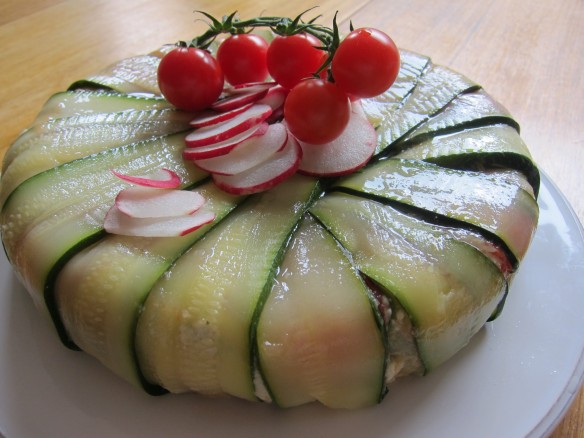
(236, 100)
(249, 87)
(248, 153)
(266, 175)
(143, 202)
(223, 147)
(117, 222)
(277, 115)
(225, 130)
(275, 97)
(160, 179)
(209, 118)
(347, 153)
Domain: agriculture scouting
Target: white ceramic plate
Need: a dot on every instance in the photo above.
(515, 379)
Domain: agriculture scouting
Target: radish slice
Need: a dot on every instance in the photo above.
(117, 222)
(142, 202)
(249, 87)
(275, 97)
(223, 147)
(345, 154)
(161, 179)
(276, 116)
(236, 100)
(266, 175)
(248, 153)
(212, 117)
(225, 130)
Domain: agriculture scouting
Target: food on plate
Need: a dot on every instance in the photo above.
(288, 235)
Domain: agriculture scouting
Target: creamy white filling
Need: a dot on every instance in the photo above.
(403, 358)
(261, 391)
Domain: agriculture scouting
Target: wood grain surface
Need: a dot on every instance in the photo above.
(528, 54)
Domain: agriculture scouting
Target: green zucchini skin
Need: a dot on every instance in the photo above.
(436, 88)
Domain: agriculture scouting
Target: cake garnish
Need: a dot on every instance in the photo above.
(160, 179)
(241, 75)
(155, 207)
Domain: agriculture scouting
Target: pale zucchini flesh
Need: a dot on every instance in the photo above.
(317, 335)
(482, 200)
(52, 213)
(131, 75)
(381, 107)
(73, 103)
(437, 87)
(448, 288)
(71, 138)
(194, 331)
(100, 291)
(466, 110)
(78, 103)
(479, 148)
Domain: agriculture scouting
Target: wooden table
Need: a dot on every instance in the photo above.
(529, 54)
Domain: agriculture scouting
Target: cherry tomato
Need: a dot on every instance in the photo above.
(243, 58)
(366, 63)
(190, 78)
(293, 58)
(316, 111)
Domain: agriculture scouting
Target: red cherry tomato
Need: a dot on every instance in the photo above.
(190, 78)
(366, 63)
(293, 58)
(243, 58)
(316, 111)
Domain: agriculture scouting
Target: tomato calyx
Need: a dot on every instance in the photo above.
(283, 26)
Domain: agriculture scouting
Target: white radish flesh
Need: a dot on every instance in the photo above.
(249, 87)
(209, 118)
(236, 100)
(223, 147)
(223, 131)
(142, 202)
(280, 166)
(248, 153)
(161, 179)
(117, 222)
(347, 153)
(275, 97)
